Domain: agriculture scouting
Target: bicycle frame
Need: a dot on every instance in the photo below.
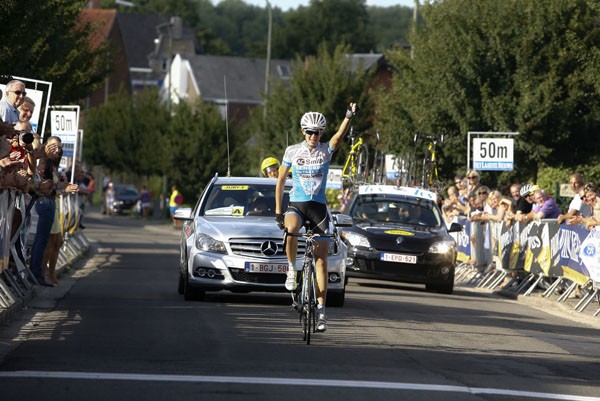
(430, 177)
(305, 301)
(356, 163)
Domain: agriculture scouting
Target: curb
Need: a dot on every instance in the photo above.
(7, 314)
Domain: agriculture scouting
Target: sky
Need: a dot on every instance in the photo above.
(287, 4)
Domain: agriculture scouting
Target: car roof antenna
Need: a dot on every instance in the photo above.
(227, 125)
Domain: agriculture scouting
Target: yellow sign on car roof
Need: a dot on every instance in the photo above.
(234, 187)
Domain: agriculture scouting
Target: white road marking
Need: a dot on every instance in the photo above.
(290, 382)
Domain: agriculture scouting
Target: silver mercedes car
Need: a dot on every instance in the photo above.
(230, 241)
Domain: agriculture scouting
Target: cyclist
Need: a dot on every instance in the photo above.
(309, 161)
(270, 167)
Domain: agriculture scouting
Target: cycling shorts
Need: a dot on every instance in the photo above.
(315, 213)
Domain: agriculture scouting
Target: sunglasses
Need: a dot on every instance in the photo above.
(312, 132)
(481, 193)
(19, 93)
(472, 177)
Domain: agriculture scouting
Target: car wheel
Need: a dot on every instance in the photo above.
(336, 299)
(444, 287)
(190, 293)
(181, 285)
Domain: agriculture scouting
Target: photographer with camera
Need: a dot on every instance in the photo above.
(16, 171)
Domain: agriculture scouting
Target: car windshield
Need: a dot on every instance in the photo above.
(126, 191)
(241, 200)
(396, 211)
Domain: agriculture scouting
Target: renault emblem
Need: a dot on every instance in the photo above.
(399, 240)
(268, 248)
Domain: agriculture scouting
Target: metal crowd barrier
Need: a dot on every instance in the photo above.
(521, 257)
(16, 280)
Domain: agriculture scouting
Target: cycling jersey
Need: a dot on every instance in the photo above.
(309, 171)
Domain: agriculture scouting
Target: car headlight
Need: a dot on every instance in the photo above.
(356, 239)
(207, 243)
(442, 247)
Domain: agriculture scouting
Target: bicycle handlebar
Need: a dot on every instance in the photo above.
(308, 234)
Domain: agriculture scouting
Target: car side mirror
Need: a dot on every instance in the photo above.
(455, 228)
(183, 214)
(342, 220)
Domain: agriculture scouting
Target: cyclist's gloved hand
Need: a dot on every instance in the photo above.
(352, 110)
(279, 219)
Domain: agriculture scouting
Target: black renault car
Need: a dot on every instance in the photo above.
(399, 234)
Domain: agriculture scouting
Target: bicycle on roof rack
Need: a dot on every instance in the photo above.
(430, 177)
(355, 170)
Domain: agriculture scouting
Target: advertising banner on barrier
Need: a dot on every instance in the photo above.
(569, 243)
(540, 247)
(590, 254)
(463, 240)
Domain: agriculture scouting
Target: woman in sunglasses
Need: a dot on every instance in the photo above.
(13, 98)
(309, 161)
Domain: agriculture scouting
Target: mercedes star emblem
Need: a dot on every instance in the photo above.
(268, 248)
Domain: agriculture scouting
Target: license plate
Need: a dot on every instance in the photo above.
(252, 267)
(398, 258)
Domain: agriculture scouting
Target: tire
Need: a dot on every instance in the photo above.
(443, 287)
(336, 299)
(190, 293)
(181, 284)
(310, 318)
(362, 165)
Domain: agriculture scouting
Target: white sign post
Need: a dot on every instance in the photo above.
(492, 154)
(64, 123)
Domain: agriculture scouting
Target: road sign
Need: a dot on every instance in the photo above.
(64, 125)
(494, 154)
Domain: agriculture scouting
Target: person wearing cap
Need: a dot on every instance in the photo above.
(525, 203)
(270, 167)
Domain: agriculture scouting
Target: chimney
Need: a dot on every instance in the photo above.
(93, 4)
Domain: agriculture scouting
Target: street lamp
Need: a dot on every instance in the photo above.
(268, 66)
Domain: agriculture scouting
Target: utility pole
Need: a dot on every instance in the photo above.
(268, 66)
(414, 27)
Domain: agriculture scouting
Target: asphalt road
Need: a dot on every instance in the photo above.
(116, 329)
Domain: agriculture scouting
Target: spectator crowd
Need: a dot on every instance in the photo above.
(29, 169)
(524, 202)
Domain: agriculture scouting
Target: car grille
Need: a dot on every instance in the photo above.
(251, 247)
(388, 268)
(257, 278)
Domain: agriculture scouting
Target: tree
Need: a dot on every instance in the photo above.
(47, 41)
(389, 26)
(110, 140)
(198, 144)
(498, 66)
(323, 83)
(331, 21)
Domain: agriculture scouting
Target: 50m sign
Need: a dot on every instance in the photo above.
(496, 154)
(64, 125)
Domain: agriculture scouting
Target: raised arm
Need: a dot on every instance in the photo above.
(336, 140)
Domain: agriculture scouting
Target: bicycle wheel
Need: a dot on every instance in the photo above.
(308, 302)
(362, 165)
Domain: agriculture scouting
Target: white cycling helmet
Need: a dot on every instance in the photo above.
(528, 189)
(313, 121)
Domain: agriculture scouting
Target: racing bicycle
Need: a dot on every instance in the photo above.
(305, 296)
(355, 169)
(430, 177)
